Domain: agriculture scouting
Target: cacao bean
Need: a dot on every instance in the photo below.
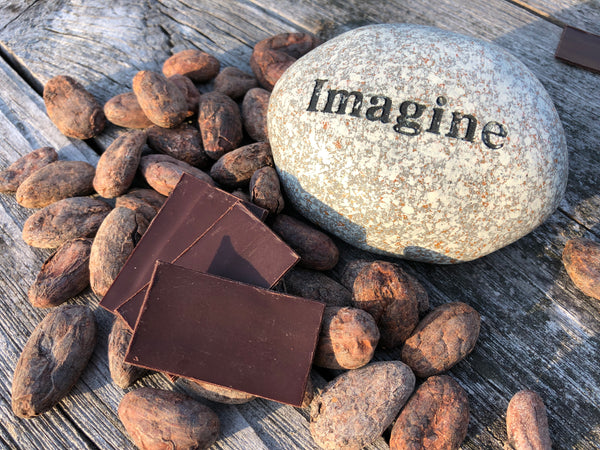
(443, 338)
(124, 110)
(64, 220)
(436, 417)
(163, 172)
(118, 164)
(317, 251)
(254, 113)
(234, 82)
(64, 274)
(581, 258)
(235, 169)
(272, 56)
(115, 240)
(212, 392)
(156, 418)
(384, 291)
(73, 110)
(122, 373)
(56, 181)
(220, 124)
(191, 94)
(347, 339)
(12, 177)
(316, 286)
(147, 202)
(160, 99)
(53, 359)
(356, 407)
(194, 64)
(183, 143)
(265, 190)
(527, 422)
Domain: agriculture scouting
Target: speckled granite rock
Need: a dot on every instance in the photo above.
(416, 142)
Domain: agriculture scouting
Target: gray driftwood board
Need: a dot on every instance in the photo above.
(538, 330)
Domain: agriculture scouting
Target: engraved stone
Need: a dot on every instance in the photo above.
(417, 142)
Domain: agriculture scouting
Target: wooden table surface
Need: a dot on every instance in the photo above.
(538, 331)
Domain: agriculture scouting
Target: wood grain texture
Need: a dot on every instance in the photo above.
(538, 331)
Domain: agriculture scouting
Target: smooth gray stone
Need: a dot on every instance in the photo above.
(372, 139)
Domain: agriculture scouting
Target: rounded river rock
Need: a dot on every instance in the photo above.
(417, 142)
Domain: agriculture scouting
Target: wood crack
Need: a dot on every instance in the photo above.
(91, 444)
(537, 12)
(20, 14)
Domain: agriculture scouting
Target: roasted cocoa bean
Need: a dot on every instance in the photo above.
(122, 373)
(12, 177)
(265, 190)
(355, 408)
(155, 418)
(56, 181)
(317, 251)
(212, 392)
(118, 164)
(64, 274)
(235, 169)
(147, 202)
(220, 124)
(124, 110)
(436, 417)
(163, 172)
(581, 258)
(353, 268)
(271, 57)
(53, 359)
(116, 238)
(73, 110)
(183, 143)
(420, 293)
(527, 423)
(384, 290)
(254, 113)
(191, 94)
(316, 286)
(347, 339)
(64, 220)
(443, 338)
(234, 82)
(194, 64)
(242, 195)
(160, 99)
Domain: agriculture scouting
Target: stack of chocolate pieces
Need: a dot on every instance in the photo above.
(195, 293)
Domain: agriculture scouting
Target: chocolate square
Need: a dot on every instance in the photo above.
(237, 246)
(191, 209)
(228, 333)
(580, 48)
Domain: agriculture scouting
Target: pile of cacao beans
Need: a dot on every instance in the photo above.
(94, 217)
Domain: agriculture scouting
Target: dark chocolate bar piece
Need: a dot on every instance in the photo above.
(238, 246)
(580, 48)
(191, 209)
(224, 332)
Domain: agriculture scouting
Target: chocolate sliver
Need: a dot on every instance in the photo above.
(580, 48)
(228, 333)
(191, 209)
(238, 246)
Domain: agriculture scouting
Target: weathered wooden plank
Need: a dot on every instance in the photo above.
(516, 289)
(576, 13)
